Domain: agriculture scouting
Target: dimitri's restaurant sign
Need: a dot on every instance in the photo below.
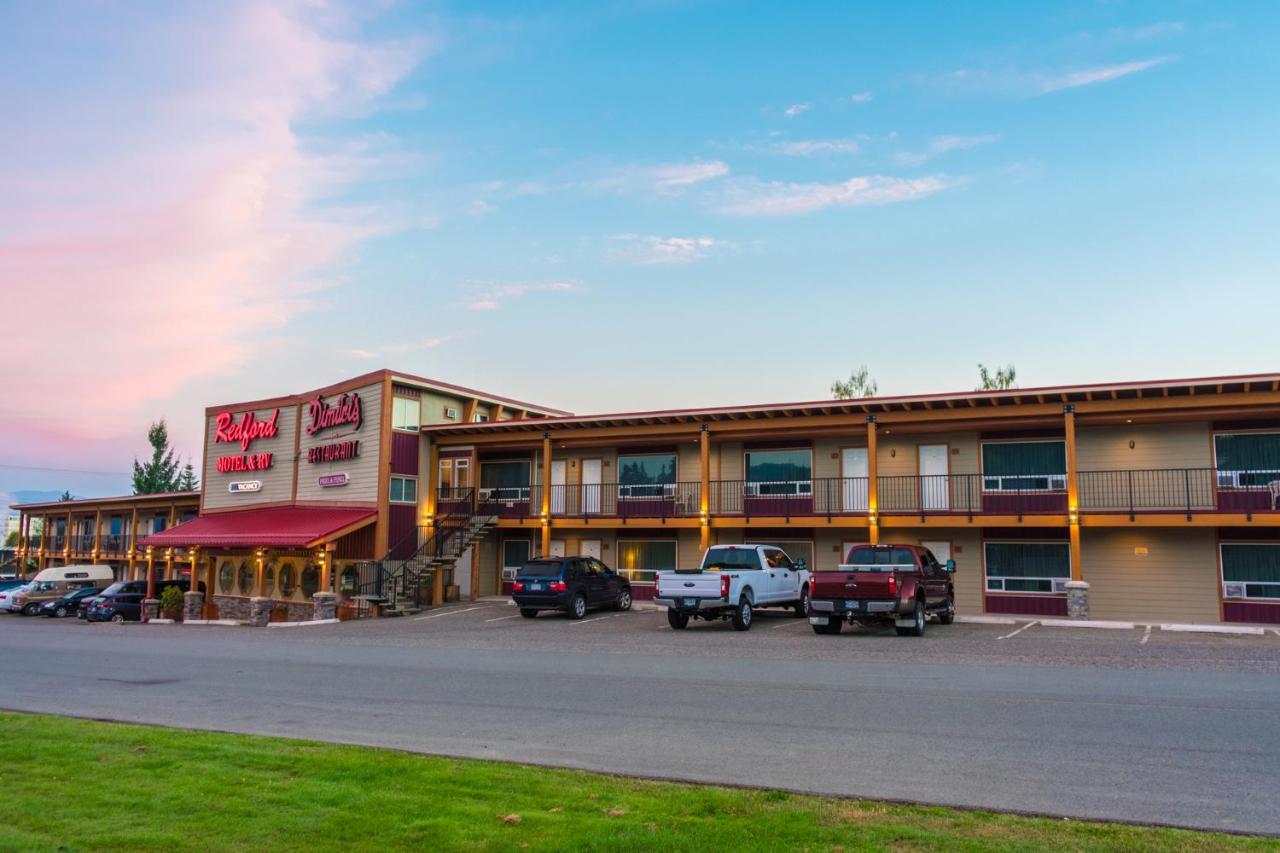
(244, 431)
(327, 415)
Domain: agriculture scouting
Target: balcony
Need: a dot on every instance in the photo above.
(1176, 490)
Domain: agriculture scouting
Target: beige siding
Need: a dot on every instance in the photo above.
(1154, 446)
(826, 456)
(1177, 580)
(689, 463)
(362, 470)
(277, 481)
(433, 406)
(900, 456)
(730, 456)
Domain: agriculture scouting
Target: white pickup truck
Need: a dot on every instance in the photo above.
(732, 581)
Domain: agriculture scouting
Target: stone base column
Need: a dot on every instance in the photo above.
(259, 612)
(324, 606)
(1077, 599)
(151, 608)
(192, 606)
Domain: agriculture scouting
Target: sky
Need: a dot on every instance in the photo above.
(617, 206)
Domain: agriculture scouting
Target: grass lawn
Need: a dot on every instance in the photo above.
(79, 785)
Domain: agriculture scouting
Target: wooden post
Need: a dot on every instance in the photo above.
(873, 484)
(498, 413)
(437, 586)
(326, 567)
(704, 496)
(97, 535)
(469, 411)
(168, 564)
(1073, 495)
(151, 578)
(433, 486)
(260, 581)
(546, 493)
(133, 544)
(66, 541)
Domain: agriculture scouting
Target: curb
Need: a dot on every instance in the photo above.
(302, 624)
(160, 622)
(231, 623)
(986, 620)
(1087, 623)
(1214, 629)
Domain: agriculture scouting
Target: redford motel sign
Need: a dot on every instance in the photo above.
(244, 430)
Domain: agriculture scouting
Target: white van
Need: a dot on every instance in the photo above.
(56, 582)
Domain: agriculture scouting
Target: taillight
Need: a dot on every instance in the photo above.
(518, 586)
(557, 586)
(724, 586)
(893, 584)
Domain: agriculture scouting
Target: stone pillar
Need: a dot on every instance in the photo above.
(192, 606)
(259, 611)
(324, 605)
(1077, 599)
(151, 608)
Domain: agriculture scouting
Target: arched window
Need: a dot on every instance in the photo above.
(288, 580)
(246, 577)
(310, 580)
(269, 578)
(226, 575)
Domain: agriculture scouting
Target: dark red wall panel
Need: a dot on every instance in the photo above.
(1027, 605)
(1251, 611)
(404, 453)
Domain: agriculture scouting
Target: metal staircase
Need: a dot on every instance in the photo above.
(402, 586)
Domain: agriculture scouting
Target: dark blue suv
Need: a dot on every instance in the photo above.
(570, 584)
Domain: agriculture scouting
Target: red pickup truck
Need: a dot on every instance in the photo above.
(878, 584)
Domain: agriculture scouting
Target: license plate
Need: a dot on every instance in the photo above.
(850, 605)
(818, 620)
(535, 587)
(691, 602)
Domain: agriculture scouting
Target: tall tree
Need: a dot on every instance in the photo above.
(161, 473)
(66, 496)
(859, 384)
(187, 481)
(999, 381)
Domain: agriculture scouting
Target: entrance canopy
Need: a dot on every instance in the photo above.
(278, 527)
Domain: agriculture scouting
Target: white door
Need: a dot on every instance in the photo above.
(591, 485)
(854, 469)
(589, 548)
(557, 487)
(935, 485)
(940, 549)
(557, 548)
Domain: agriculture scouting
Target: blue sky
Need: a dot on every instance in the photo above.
(635, 205)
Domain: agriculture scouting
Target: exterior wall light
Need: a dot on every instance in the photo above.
(873, 517)
(1073, 515)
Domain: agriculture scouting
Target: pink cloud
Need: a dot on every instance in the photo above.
(166, 239)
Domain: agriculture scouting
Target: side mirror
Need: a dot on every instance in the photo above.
(951, 565)
(800, 565)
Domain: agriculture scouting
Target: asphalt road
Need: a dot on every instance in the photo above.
(956, 718)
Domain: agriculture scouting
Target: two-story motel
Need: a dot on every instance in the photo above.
(1162, 496)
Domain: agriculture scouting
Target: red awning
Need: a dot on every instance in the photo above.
(281, 527)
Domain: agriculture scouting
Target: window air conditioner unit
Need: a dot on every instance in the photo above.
(1060, 584)
(509, 574)
(451, 412)
(1233, 590)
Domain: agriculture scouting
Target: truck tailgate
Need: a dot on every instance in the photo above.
(688, 584)
(854, 585)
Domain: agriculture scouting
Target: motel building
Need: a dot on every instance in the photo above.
(1140, 501)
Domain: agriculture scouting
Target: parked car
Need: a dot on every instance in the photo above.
(120, 607)
(882, 584)
(55, 582)
(69, 603)
(569, 584)
(11, 583)
(130, 588)
(8, 595)
(731, 583)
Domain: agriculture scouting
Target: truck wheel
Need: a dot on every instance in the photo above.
(678, 621)
(916, 629)
(947, 615)
(31, 609)
(528, 612)
(834, 626)
(578, 607)
(742, 615)
(802, 607)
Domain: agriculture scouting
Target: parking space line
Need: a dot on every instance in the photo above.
(501, 618)
(1019, 631)
(792, 623)
(1276, 631)
(585, 621)
(448, 613)
(1146, 635)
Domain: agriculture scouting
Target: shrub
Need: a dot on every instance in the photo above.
(171, 602)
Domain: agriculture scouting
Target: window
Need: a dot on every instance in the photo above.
(1036, 466)
(794, 550)
(640, 559)
(481, 418)
(269, 578)
(515, 553)
(1246, 458)
(310, 580)
(288, 580)
(158, 523)
(650, 476)
(731, 557)
(406, 413)
(504, 481)
(777, 559)
(404, 490)
(1027, 566)
(779, 472)
(1251, 571)
(245, 576)
(226, 574)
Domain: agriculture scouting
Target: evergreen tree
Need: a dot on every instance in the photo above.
(161, 473)
(66, 496)
(187, 481)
